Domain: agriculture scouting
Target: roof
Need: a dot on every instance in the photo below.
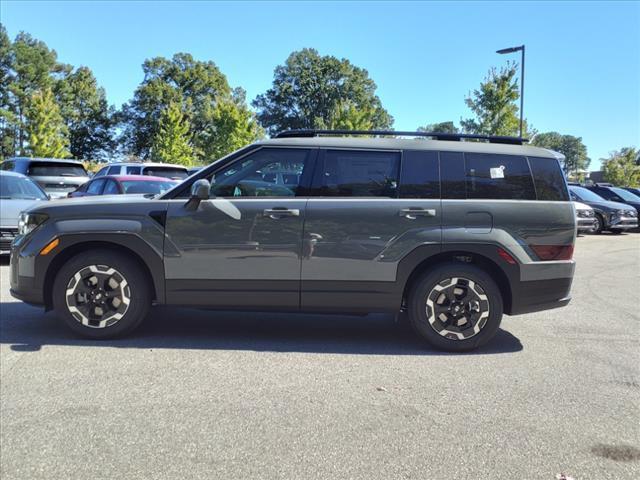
(145, 164)
(139, 178)
(9, 173)
(412, 144)
(41, 159)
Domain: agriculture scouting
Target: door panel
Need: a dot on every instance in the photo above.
(235, 252)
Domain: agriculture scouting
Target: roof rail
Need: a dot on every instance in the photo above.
(455, 137)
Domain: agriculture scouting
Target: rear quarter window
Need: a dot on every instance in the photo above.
(549, 179)
(501, 177)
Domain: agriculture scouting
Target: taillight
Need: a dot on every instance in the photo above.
(553, 252)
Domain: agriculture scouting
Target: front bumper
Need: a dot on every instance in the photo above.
(623, 223)
(586, 224)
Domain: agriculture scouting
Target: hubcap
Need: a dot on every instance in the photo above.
(457, 308)
(98, 296)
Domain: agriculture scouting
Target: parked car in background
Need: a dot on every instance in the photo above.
(612, 216)
(123, 185)
(635, 191)
(585, 217)
(56, 176)
(193, 170)
(174, 172)
(445, 231)
(616, 194)
(17, 193)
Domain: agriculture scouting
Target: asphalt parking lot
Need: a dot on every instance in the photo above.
(198, 395)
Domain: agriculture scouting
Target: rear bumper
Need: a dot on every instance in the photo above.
(542, 286)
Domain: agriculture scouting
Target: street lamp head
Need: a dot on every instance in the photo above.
(510, 50)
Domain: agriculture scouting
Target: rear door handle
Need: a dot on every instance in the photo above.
(276, 213)
(413, 213)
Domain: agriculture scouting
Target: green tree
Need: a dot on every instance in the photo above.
(8, 117)
(198, 87)
(307, 91)
(575, 152)
(171, 141)
(87, 115)
(622, 168)
(495, 105)
(45, 129)
(234, 126)
(442, 127)
(347, 116)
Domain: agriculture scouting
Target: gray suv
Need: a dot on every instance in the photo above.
(56, 176)
(450, 233)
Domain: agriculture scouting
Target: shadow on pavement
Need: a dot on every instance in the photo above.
(28, 329)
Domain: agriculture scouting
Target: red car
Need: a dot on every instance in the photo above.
(123, 185)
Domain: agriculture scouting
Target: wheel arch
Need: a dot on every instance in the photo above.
(133, 247)
(480, 256)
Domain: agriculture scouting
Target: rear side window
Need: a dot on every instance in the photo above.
(452, 175)
(54, 169)
(490, 176)
(420, 176)
(549, 179)
(358, 173)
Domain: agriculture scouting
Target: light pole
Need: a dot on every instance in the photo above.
(511, 50)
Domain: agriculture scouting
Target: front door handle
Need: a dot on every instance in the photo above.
(413, 213)
(277, 212)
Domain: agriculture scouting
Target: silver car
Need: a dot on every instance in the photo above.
(17, 193)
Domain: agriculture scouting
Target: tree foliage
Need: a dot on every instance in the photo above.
(313, 91)
(571, 147)
(204, 93)
(622, 168)
(495, 105)
(347, 116)
(45, 129)
(442, 127)
(171, 141)
(28, 66)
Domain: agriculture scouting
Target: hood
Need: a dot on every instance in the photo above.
(605, 204)
(10, 210)
(581, 206)
(100, 205)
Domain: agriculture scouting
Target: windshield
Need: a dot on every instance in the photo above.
(54, 169)
(175, 173)
(19, 188)
(625, 195)
(587, 195)
(142, 186)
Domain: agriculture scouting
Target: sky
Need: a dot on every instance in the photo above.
(582, 70)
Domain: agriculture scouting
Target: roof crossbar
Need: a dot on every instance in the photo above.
(454, 137)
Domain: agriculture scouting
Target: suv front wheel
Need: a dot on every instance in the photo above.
(101, 294)
(456, 307)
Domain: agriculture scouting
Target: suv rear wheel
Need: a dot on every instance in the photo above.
(101, 294)
(455, 307)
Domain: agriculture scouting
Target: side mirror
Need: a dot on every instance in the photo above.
(199, 191)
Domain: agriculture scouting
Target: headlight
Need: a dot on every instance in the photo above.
(30, 221)
(631, 213)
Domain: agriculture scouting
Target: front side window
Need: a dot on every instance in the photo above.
(134, 170)
(95, 188)
(491, 176)
(101, 172)
(6, 165)
(358, 173)
(111, 188)
(269, 172)
(115, 170)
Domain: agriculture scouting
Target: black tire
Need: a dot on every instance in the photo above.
(424, 287)
(599, 225)
(616, 231)
(136, 289)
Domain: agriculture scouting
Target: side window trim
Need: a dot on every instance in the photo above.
(317, 182)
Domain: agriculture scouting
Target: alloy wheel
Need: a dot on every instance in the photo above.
(98, 296)
(457, 308)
